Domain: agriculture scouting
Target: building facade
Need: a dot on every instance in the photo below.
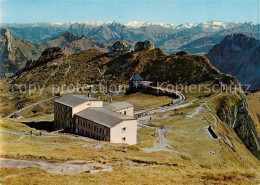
(86, 116)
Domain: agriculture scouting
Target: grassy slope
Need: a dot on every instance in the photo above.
(72, 70)
(151, 64)
(254, 107)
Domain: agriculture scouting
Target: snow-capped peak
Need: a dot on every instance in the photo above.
(187, 25)
(58, 23)
(216, 25)
(136, 24)
(92, 23)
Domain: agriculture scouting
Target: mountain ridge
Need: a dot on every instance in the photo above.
(169, 37)
(72, 43)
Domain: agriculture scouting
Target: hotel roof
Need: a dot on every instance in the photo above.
(117, 105)
(74, 100)
(103, 116)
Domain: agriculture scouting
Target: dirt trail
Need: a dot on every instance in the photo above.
(203, 105)
(162, 144)
(32, 105)
(68, 167)
(143, 122)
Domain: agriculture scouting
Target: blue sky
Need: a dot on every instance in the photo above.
(123, 11)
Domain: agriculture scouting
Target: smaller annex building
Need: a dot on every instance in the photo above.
(86, 116)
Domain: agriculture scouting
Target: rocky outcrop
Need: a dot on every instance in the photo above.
(49, 54)
(144, 45)
(119, 47)
(15, 53)
(238, 118)
(238, 55)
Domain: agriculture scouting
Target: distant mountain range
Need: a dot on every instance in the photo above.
(194, 38)
(238, 55)
(200, 38)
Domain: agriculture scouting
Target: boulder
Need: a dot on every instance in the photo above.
(143, 45)
(119, 47)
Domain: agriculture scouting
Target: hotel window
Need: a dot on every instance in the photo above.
(123, 139)
(105, 132)
(123, 130)
(76, 121)
(100, 130)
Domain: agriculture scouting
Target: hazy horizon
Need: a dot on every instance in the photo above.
(107, 22)
(124, 11)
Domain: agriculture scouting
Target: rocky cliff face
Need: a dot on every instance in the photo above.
(238, 118)
(238, 55)
(47, 55)
(15, 53)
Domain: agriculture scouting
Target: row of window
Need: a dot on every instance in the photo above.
(62, 115)
(62, 108)
(91, 135)
(91, 127)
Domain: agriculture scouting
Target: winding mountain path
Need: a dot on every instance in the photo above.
(29, 106)
(175, 104)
